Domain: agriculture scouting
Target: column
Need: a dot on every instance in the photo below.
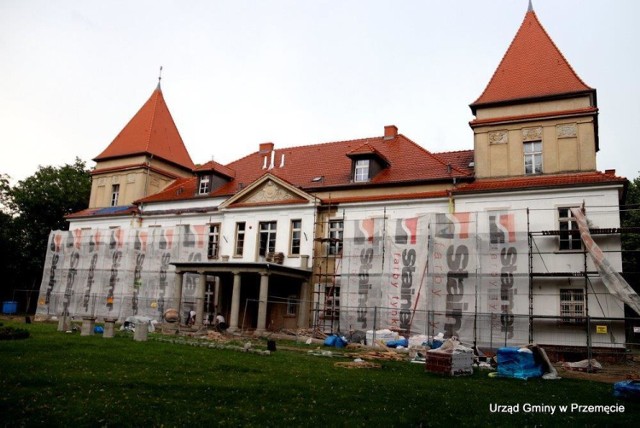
(202, 288)
(303, 308)
(88, 324)
(109, 327)
(216, 293)
(178, 288)
(262, 304)
(235, 303)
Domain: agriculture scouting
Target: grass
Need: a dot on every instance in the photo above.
(58, 379)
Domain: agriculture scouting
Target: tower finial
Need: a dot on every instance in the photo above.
(159, 77)
(530, 8)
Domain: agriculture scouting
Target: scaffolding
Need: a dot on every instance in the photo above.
(542, 282)
(326, 268)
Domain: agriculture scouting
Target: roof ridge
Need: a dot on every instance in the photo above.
(154, 110)
(366, 140)
(453, 151)
(544, 30)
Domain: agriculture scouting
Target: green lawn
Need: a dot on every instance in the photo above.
(60, 379)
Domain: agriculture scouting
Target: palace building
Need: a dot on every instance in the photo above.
(376, 233)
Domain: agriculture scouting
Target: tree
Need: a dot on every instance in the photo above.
(34, 207)
(630, 215)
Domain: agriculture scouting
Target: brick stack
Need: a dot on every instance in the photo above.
(448, 363)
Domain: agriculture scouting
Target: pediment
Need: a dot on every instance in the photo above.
(268, 190)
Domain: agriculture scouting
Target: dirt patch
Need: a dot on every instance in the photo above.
(610, 372)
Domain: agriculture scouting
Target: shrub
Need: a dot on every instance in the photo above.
(11, 333)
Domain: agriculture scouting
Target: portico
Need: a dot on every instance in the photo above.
(247, 281)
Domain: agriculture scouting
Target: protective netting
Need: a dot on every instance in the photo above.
(118, 272)
(450, 265)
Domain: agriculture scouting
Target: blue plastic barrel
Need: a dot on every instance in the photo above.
(9, 307)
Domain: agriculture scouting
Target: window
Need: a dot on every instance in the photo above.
(361, 172)
(239, 249)
(332, 302)
(296, 233)
(569, 232)
(572, 305)
(115, 193)
(267, 237)
(204, 185)
(213, 247)
(533, 157)
(336, 232)
(292, 305)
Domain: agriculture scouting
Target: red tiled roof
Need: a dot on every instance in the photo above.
(214, 166)
(532, 67)
(408, 162)
(540, 181)
(461, 159)
(150, 131)
(123, 210)
(366, 149)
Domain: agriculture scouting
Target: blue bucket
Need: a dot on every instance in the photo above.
(9, 307)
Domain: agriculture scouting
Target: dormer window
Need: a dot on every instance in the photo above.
(361, 170)
(205, 185)
(366, 163)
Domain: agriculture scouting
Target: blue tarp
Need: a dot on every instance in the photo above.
(512, 362)
(335, 340)
(627, 389)
(400, 342)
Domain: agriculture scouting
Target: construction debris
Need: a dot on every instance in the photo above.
(583, 366)
(358, 365)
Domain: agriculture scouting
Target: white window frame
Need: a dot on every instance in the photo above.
(569, 238)
(269, 229)
(115, 194)
(296, 237)
(361, 170)
(292, 305)
(213, 242)
(532, 157)
(204, 186)
(336, 235)
(572, 305)
(241, 228)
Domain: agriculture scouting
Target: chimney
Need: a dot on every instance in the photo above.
(390, 132)
(266, 147)
(610, 172)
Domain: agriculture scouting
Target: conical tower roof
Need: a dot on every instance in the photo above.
(151, 131)
(532, 68)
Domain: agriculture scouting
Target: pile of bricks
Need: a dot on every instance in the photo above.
(449, 363)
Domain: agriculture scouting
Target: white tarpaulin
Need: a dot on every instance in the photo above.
(615, 283)
(433, 273)
(118, 272)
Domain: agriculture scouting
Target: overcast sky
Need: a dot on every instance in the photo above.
(239, 73)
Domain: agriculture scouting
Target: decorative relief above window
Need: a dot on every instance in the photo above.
(567, 130)
(498, 137)
(531, 134)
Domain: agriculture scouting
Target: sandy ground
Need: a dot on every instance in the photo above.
(610, 373)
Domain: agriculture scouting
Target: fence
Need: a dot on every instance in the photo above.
(493, 330)
(486, 330)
